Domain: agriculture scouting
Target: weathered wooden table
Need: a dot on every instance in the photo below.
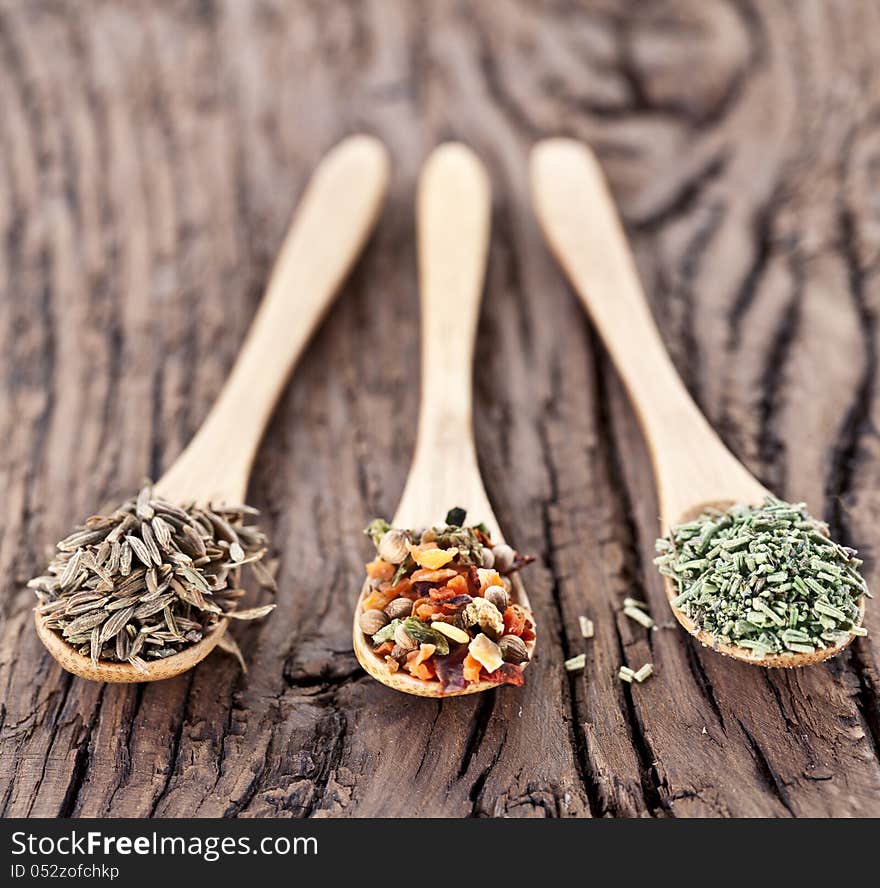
(151, 157)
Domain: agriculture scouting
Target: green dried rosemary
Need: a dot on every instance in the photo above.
(767, 578)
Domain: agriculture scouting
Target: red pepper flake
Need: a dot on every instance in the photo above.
(521, 561)
(401, 589)
(459, 584)
(425, 611)
(484, 538)
(506, 673)
(443, 594)
(514, 620)
(454, 605)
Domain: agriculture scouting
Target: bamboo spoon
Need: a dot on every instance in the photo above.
(334, 218)
(692, 467)
(453, 209)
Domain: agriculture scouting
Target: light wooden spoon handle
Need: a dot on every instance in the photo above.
(453, 220)
(580, 222)
(332, 222)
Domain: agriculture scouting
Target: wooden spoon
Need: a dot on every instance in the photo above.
(335, 216)
(453, 210)
(692, 467)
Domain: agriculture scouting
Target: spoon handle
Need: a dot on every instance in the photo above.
(579, 220)
(453, 209)
(332, 222)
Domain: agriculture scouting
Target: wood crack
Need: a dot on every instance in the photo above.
(476, 791)
(845, 452)
(683, 201)
(477, 731)
(174, 751)
(703, 682)
(762, 238)
(577, 735)
(846, 449)
(772, 780)
(688, 359)
(652, 785)
(339, 724)
(771, 387)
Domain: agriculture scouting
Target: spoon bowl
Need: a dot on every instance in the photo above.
(453, 210)
(333, 220)
(70, 659)
(403, 681)
(692, 467)
(789, 660)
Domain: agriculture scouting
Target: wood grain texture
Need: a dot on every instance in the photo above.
(150, 157)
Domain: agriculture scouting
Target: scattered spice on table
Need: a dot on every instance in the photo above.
(767, 578)
(440, 605)
(639, 675)
(575, 664)
(637, 614)
(587, 628)
(151, 578)
(643, 672)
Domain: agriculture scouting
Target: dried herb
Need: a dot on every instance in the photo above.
(637, 614)
(456, 516)
(644, 672)
(575, 664)
(386, 633)
(422, 633)
(403, 568)
(767, 578)
(376, 529)
(630, 675)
